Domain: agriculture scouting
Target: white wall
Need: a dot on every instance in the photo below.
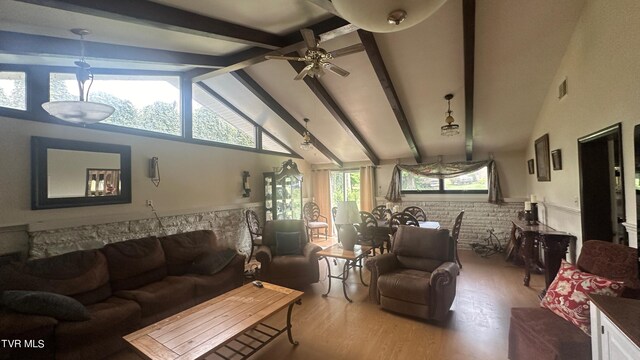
(602, 66)
(194, 177)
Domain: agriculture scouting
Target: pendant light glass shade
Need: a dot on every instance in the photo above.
(450, 129)
(78, 112)
(306, 144)
(82, 111)
(383, 16)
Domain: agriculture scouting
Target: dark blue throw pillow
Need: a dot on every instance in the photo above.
(288, 243)
(44, 303)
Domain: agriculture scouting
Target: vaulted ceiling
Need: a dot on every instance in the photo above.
(392, 104)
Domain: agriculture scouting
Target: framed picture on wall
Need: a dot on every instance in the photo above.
(542, 158)
(556, 159)
(531, 167)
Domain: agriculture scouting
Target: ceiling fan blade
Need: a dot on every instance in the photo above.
(303, 73)
(336, 69)
(309, 38)
(347, 50)
(281, 57)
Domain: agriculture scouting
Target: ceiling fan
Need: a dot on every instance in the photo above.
(317, 58)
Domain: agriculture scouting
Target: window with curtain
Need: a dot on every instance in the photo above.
(474, 183)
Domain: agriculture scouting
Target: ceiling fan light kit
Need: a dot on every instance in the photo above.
(450, 129)
(399, 14)
(317, 58)
(82, 111)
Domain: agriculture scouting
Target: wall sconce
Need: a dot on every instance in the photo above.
(246, 187)
(154, 171)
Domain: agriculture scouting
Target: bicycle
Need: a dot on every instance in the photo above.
(491, 246)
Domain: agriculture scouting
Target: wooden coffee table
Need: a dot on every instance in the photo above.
(210, 327)
(351, 259)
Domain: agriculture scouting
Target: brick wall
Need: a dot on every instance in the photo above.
(478, 218)
(228, 225)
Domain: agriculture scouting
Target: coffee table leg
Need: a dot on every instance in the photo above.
(328, 277)
(299, 302)
(345, 276)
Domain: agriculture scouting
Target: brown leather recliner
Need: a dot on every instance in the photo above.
(418, 276)
(293, 271)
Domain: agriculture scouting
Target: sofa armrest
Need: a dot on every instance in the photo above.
(40, 329)
(379, 265)
(310, 250)
(443, 289)
(263, 255)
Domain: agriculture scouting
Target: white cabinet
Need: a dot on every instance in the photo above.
(608, 341)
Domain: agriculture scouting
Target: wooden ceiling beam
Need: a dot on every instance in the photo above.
(326, 30)
(26, 44)
(160, 16)
(371, 47)
(469, 37)
(327, 100)
(268, 100)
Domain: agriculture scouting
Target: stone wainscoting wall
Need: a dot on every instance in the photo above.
(478, 218)
(229, 226)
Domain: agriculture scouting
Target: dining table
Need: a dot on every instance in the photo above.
(383, 231)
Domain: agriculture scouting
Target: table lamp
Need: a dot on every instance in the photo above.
(346, 216)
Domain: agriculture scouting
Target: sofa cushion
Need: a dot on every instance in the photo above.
(112, 317)
(211, 262)
(537, 333)
(180, 250)
(406, 284)
(612, 261)
(44, 303)
(83, 275)
(135, 263)
(288, 243)
(568, 298)
(161, 296)
(291, 266)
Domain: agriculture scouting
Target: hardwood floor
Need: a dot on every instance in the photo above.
(333, 328)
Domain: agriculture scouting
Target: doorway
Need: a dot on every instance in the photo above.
(602, 186)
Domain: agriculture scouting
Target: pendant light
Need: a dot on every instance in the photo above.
(383, 16)
(306, 144)
(82, 111)
(450, 129)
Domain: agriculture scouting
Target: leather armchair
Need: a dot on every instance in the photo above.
(293, 271)
(418, 276)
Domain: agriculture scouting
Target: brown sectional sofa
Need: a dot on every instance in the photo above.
(124, 286)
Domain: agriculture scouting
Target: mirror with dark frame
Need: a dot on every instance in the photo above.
(69, 173)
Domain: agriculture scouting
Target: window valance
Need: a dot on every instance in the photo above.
(442, 170)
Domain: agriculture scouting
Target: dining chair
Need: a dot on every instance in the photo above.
(380, 212)
(255, 231)
(417, 212)
(314, 221)
(367, 234)
(397, 219)
(454, 234)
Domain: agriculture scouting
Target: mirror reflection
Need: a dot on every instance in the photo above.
(72, 173)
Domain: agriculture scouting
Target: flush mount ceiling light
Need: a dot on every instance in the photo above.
(450, 129)
(386, 15)
(82, 111)
(306, 144)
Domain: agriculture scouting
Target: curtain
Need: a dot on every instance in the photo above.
(447, 170)
(367, 188)
(321, 194)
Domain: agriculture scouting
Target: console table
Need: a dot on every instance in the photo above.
(554, 244)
